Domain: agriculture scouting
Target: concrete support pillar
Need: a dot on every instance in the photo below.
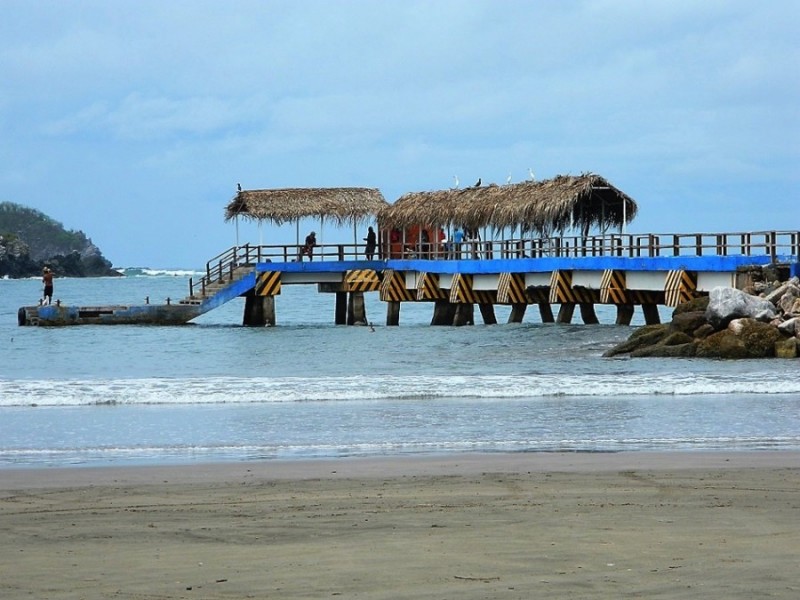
(356, 310)
(651, 316)
(465, 315)
(487, 313)
(546, 312)
(258, 311)
(443, 313)
(392, 313)
(624, 314)
(565, 312)
(341, 308)
(517, 313)
(587, 314)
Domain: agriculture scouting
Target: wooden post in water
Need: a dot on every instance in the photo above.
(340, 317)
(651, 316)
(546, 312)
(443, 313)
(356, 309)
(487, 312)
(392, 313)
(517, 313)
(587, 314)
(565, 312)
(258, 310)
(465, 315)
(624, 314)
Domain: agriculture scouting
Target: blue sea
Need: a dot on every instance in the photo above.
(217, 391)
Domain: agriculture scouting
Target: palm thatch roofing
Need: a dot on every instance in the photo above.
(342, 205)
(553, 205)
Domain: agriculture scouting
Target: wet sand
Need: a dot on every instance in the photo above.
(630, 525)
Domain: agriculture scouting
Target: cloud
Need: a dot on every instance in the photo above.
(133, 103)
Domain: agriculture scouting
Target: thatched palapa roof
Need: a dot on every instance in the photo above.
(553, 205)
(342, 205)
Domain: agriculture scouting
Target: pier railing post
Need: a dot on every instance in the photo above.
(745, 244)
(722, 249)
(698, 238)
(773, 246)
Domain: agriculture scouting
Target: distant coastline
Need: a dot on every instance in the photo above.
(31, 241)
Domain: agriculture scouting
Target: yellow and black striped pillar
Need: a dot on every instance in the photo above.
(511, 289)
(680, 287)
(612, 288)
(561, 288)
(268, 283)
(428, 287)
(362, 280)
(393, 287)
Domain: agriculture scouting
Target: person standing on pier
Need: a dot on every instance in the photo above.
(372, 242)
(47, 281)
(458, 238)
(308, 247)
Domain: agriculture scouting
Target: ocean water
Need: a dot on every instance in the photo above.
(217, 391)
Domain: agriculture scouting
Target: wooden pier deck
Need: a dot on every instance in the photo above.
(626, 271)
(621, 270)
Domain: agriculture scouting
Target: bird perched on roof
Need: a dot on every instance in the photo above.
(478, 183)
(239, 186)
(455, 177)
(530, 173)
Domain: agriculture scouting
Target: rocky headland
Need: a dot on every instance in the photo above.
(30, 240)
(728, 323)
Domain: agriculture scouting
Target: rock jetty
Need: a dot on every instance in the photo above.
(728, 323)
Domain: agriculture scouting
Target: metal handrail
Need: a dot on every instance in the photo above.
(774, 244)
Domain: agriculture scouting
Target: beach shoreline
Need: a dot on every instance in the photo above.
(555, 525)
(398, 465)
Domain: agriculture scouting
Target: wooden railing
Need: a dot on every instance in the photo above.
(776, 245)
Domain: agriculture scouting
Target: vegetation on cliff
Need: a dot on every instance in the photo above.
(30, 240)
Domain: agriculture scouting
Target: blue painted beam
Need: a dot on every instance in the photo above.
(724, 264)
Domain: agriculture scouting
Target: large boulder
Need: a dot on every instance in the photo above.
(787, 348)
(694, 305)
(722, 344)
(743, 338)
(790, 327)
(688, 322)
(649, 335)
(726, 304)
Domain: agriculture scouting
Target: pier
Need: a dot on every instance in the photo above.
(557, 275)
(543, 243)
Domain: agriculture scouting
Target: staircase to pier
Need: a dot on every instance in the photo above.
(227, 276)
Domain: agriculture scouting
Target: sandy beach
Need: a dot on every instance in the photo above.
(630, 525)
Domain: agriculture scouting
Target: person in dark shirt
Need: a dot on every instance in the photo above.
(372, 242)
(307, 249)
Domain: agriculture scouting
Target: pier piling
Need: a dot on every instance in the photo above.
(259, 311)
(392, 313)
(487, 312)
(517, 313)
(340, 317)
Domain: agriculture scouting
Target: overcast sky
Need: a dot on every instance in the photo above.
(133, 121)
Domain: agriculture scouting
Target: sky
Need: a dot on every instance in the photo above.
(134, 121)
